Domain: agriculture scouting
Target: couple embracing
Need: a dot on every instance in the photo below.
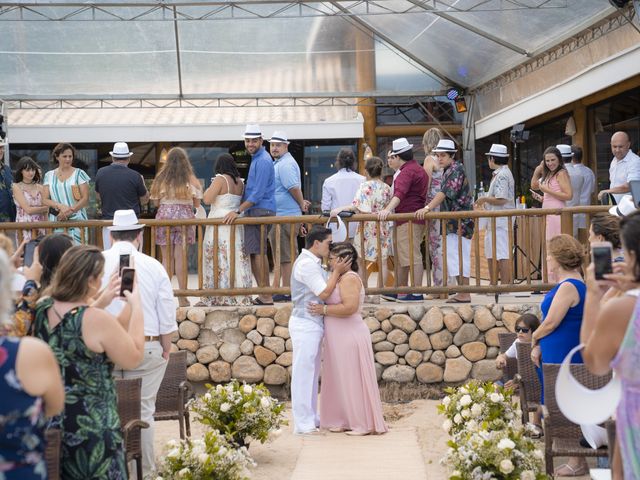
(326, 324)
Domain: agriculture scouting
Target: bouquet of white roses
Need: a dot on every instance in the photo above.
(478, 404)
(479, 454)
(210, 458)
(239, 411)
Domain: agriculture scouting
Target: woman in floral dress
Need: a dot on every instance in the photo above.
(225, 195)
(27, 193)
(371, 197)
(87, 341)
(434, 235)
(177, 191)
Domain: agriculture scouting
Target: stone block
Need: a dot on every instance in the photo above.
(220, 371)
(196, 315)
(426, 356)
(288, 345)
(465, 312)
(484, 319)
(399, 374)
(386, 358)
(441, 340)
(181, 314)
(191, 345)
(189, 330)
(452, 321)
(402, 361)
(457, 369)
(266, 311)
(416, 312)
(438, 357)
(486, 371)
(246, 369)
(219, 320)
(207, 337)
(285, 359)
(413, 358)
(372, 324)
(467, 333)
(401, 350)
(383, 313)
(379, 370)
(419, 340)
(433, 321)
(474, 351)
(207, 354)
(191, 358)
(173, 348)
(282, 332)
(229, 352)
(452, 352)
(509, 320)
(282, 316)
(264, 356)
(386, 326)
(383, 346)
(246, 347)
(496, 310)
(275, 375)
(275, 344)
(247, 323)
(197, 373)
(397, 336)
(403, 322)
(491, 337)
(378, 336)
(492, 352)
(265, 326)
(233, 335)
(429, 373)
(255, 337)
(175, 336)
(513, 307)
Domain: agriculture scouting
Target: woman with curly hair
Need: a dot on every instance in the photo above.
(176, 191)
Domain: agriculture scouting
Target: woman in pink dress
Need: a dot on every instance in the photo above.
(349, 395)
(27, 193)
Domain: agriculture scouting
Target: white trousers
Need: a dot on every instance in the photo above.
(502, 244)
(453, 262)
(306, 337)
(151, 370)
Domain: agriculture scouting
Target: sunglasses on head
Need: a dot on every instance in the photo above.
(522, 330)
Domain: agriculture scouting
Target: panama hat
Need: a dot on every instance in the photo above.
(279, 137)
(565, 150)
(498, 150)
(120, 150)
(3, 142)
(124, 220)
(624, 208)
(252, 130)
(400, 145)
(445, 146)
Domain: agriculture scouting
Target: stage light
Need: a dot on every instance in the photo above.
(453, 93)
(461, 105)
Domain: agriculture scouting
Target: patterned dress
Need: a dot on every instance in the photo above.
(21, 422)
(371, 197)
(62, 192)
(22, 321)
(458, 198)
(34, 199)
(92, 445)
(176, 209)
(434, 235)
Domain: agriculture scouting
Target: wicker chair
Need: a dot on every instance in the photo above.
(528, 382)
(53, 439)
(506, 339)
(129, 393)
(174, 392)
(561, 436)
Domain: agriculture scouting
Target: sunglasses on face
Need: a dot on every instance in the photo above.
(522, 330)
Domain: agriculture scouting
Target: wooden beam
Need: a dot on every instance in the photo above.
(415, 129)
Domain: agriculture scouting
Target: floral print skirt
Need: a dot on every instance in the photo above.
(175, 212)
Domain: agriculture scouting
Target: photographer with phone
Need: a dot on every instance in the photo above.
(159, 311)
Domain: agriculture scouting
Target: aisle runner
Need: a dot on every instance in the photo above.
(336, 456)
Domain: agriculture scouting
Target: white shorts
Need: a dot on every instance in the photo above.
(502, 244)
(453, 263)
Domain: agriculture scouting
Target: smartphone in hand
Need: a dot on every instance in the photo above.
(127, 276)
(29, 250)
(124, 262)
(602, 258)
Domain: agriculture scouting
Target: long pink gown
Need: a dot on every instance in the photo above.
(349, 395)
(549, 201)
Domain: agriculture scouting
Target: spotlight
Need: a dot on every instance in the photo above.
(461, 105)
(453, 93)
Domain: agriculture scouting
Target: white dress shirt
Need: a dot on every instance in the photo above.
(338, 191)
(623, 171)
(308, 280)
(587, 187)
(155, 287)
(577, 184)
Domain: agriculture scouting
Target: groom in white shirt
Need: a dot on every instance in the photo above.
(309, 284)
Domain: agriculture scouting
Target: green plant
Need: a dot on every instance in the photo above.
(239, 411)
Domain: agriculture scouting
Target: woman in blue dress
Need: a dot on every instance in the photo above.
(562, 309)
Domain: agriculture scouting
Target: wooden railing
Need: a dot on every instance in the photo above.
(529, 221)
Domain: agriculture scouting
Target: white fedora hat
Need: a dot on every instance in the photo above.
(446, 146)
(565, 150)
(124, 220)
(498, 150)
(279, 137)
(252, 130)
(120, 150)
(400, 145)
(3, 142)
(624, 208)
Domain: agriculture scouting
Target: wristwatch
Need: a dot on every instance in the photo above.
(238, 211)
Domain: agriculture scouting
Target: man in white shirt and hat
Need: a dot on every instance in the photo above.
(159, 311)
(588, 188)
(577, 181)
(625, 167)
(310, 283)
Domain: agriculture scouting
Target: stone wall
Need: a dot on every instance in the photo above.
(411, 343)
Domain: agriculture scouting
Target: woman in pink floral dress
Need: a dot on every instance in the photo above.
(27, 193)
(372, 196)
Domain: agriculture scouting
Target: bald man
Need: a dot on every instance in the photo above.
(625, 167)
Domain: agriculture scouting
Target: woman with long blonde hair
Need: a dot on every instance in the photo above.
(176, 192)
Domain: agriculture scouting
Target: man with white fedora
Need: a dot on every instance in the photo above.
(118, 187)
(501, 196)
(454, 196)
(7, 205)
(159, 311)
(289, 202)
(577, 180)
(258, 200)
(409, 196)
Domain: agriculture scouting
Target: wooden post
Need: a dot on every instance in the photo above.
(366, 82)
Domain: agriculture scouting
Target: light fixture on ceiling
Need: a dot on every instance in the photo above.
(456, 95)
(598, 125)
(570, 129)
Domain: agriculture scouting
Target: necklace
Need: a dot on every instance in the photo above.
(28, 183)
